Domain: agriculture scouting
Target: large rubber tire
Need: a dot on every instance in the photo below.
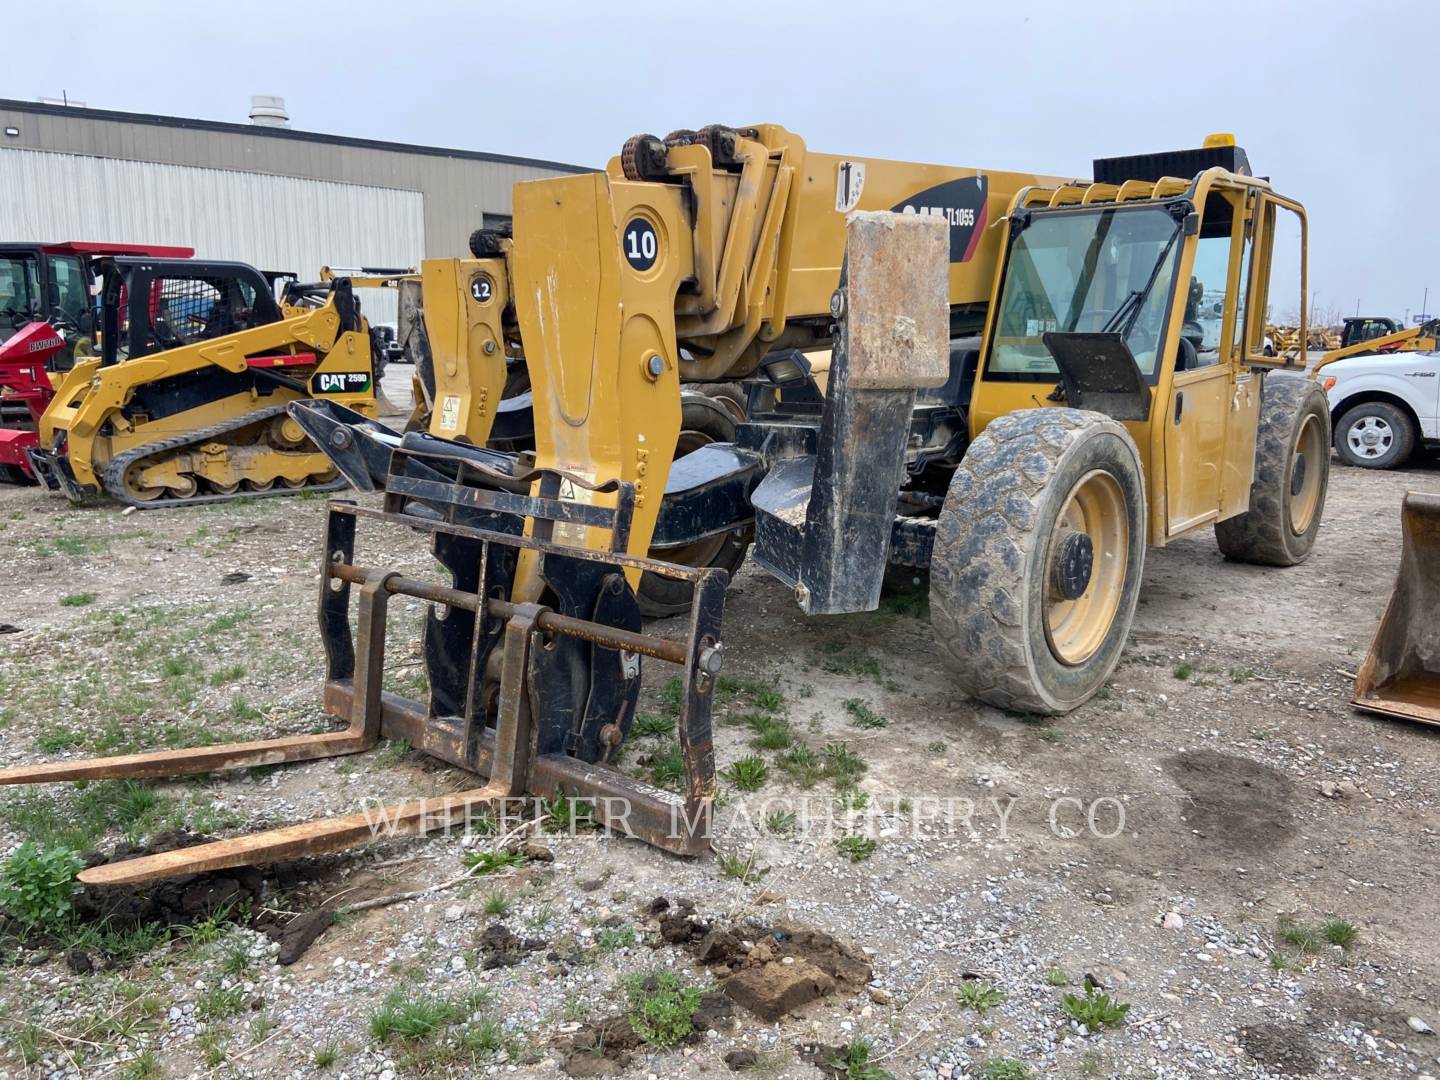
(991, 593)
(730, 394)
(1287, 500)
(1374, 435)
(702, 420)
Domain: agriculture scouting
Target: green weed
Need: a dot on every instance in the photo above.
(37, 883)
(1096, 1010)
(780, 822)
(1005, 1069)
(857, 848)
(652, 724)
(667, 766)
(1339, 932)
(854, 1062)
(747, 773)
(491, 862)
(979, 995)
(661, 1008)
(861, 715)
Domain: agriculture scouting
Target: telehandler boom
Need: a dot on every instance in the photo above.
(1020, 397)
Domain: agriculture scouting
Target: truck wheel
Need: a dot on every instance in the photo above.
(1038, 556)
(1292, 473)
(1374, 435)
(703, 420)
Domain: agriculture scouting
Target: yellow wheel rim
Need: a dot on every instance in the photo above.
(1309, 466)
(1085, 567)
(136, 490)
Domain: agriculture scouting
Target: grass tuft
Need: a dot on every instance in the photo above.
(747, 773)
(857, 848)
(853, 1062)
(1339, 932)
(979, 995)
(861, 715)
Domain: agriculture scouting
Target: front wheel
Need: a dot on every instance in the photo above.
(703, 420)
(1038, 557)
(1374, 435)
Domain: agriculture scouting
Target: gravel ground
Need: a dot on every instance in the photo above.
(1181, 841)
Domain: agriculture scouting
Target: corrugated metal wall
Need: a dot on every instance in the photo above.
(460, 187)
(272, 222)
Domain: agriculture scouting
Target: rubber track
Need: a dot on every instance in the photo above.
(113, 479)
(1255, 536)
(987, 526)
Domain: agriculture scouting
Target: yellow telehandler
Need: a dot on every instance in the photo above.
(1021, 396)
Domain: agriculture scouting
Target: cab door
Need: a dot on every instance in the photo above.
(1204, 393)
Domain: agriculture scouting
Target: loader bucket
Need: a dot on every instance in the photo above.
(534, 695)
(1401, 674)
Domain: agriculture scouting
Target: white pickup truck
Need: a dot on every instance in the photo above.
(1383, 405)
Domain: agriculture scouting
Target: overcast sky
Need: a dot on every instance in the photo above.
(1334, 100)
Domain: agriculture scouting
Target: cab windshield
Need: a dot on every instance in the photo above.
(1086, 270)
(19, 292)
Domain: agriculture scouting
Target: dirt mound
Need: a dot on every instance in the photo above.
(186, 898)
(240, 894)
(1239, 804)
(771, 970)
(1283, 1048)
(504, 948)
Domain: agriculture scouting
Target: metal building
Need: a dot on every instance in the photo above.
(260, 192)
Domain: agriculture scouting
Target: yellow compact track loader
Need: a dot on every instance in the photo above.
(186, 402)
(1021, 396)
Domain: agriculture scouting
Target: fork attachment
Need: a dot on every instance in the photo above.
(534, 693)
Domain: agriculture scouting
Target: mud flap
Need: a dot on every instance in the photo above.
(1401, 674)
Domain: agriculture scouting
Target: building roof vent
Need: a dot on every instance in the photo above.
(268, 111)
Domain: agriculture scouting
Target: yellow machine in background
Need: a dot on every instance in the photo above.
(1423, 338)
(187, 403)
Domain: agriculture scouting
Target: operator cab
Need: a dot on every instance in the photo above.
(40, 282)
(152, 305)
(1361, 328)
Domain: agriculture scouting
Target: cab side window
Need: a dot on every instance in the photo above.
(1208, 288)
(71, 288)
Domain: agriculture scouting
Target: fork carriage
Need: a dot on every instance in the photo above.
(536, 694)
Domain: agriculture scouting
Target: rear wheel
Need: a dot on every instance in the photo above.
(1292, 474)
(1038, 556)
(703, 420)
(1374, 435)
